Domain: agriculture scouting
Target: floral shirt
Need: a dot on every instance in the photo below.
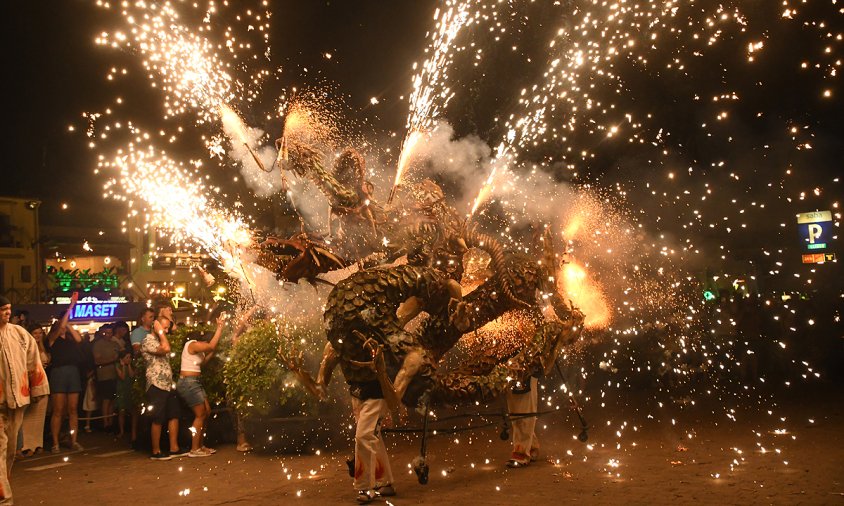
(159, 373)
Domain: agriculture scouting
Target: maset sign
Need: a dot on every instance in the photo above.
(815, 235)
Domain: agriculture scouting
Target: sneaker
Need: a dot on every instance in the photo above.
(77, 447)
(181, 452)
(55, 449)
(365, 496)
(160, 456)
(385, 490)
(199, 453)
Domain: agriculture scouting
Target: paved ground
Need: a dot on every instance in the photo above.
(679, 456)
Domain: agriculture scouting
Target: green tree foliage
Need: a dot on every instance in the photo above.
(255, 379)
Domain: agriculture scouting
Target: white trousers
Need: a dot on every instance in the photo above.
(372, 465)
(33, 423)
(10, 424)
(525, 442)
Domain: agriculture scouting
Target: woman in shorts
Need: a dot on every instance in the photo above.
(66, 359)
(197, 351)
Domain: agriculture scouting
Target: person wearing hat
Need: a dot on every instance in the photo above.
(22, 378)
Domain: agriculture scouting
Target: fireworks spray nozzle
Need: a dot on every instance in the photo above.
(281, 146)
(255, 157)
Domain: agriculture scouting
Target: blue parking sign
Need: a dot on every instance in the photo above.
(816, 231)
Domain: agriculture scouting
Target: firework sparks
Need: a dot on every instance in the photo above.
(626, 275)
(177, 203)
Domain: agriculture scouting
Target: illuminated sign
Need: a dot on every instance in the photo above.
(816, 232)
(818, 258)
(92, 308)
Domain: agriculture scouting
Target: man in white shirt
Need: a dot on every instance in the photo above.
(22, 378)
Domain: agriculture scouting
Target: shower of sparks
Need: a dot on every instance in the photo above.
(581, 69)
(631, 279)
(193, 67)
(176, 205)
(431, 92)
(431, 88)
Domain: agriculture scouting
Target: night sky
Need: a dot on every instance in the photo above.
(59, 72)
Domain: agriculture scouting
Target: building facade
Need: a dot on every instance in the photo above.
(19, 253)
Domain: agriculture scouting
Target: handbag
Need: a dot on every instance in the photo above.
(89, 403)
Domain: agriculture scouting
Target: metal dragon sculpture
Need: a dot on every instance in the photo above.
(366, 315)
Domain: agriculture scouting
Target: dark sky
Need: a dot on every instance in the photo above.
(55, 72)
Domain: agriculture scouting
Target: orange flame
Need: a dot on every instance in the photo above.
(587, 295)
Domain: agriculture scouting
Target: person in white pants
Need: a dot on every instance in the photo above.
(373, 475)
(525, 443)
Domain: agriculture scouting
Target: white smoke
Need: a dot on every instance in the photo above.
(463, 163)
(242, 137)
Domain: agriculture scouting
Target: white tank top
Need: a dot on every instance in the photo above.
(191, 362)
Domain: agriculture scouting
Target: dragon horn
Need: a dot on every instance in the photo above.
(489, 244)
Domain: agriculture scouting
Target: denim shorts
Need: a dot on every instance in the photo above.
(190, 389)
(65, 380)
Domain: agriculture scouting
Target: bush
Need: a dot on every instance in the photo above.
(256, 380)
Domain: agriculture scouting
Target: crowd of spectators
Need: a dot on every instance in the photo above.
(97, 374)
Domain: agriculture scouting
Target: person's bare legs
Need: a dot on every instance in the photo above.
(155, 435)
(199, 414)
(73, 415)
(202, 432)
(59, 405)
(173, 429)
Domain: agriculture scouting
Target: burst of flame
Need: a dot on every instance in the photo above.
(575, 283)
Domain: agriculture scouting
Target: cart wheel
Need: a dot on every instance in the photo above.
(583, 436)
(421, 471)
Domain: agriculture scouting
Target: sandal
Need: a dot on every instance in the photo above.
(516, 464)
(244, 447)
(209, 451)
(365, 496)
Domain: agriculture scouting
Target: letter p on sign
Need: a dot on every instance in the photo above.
(815, 231)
